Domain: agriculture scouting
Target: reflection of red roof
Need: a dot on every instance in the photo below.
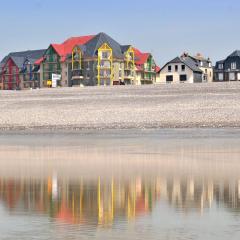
(141, 58)
(141, 206)
(67, 46)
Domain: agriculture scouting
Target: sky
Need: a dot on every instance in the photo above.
(164, 28)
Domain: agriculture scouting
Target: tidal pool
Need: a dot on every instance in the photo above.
(148, 184)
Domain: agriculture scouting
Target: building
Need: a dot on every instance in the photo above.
(205, 64)
(102, 61)
(96, 60)
(228, 69)
(20, 70)
(55, 61)
(145, 68)
(186, 69)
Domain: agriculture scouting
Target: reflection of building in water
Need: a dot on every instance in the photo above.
(99, 202)
(102, 202)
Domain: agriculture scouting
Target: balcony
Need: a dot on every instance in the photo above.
(77, 74)
(105, 76)
(128, 74)
(148, 69)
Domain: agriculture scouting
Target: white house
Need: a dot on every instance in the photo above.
(182, 69)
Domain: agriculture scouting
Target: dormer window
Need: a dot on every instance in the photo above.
(210, 64)
(220, 66)
(201, 63)
(233, 65)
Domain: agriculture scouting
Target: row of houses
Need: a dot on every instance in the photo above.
(78, 61)
(195, 69)
(100, 60)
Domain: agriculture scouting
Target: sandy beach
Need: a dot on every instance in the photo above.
(211, 105)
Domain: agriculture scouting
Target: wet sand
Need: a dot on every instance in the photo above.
(212, 105)
(130, 153)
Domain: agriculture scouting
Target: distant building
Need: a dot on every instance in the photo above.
(205, 64)
(145, 68)
(96, 60)
(187, 69)
(20, 70)
(228, 69)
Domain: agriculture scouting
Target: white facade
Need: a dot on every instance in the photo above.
(178, 71)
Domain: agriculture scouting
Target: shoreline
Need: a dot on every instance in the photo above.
(74, 129)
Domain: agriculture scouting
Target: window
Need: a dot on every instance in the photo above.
(233, 65)
(220, 76)
(176, 68)
(169, 78)
(232, 77)
(169, 68)
(220, 66)
(183, 78)
(183, 68)
(87, 65)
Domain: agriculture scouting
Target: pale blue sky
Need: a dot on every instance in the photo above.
(165, 28)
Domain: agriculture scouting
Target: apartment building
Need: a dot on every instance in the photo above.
(21, 70)
(96, 60)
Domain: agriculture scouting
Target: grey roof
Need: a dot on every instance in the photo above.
(235, 54)
(187, 61)
(191, 64)
(94, 44)
(20, 57)
(125, 48)
(205, 62)
(176, 60)
(221, 61)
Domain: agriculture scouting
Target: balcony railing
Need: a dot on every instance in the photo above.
(77, 73)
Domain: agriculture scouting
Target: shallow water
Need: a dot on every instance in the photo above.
(166, 184)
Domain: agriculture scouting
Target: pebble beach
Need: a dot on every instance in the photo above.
(208, 105)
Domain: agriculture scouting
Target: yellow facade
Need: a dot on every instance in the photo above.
(105, 55)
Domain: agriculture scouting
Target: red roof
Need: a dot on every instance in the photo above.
(141, 58)
(66, 47)
(39, 61)
(158, 69)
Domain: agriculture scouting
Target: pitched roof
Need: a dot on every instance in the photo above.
(141, 58)
(66, 47)
(235, 54)
(96, 42)
(176, 60)
(220, 62)
(125, 48)
(188, 61)
(20, 57)
(191, 64)
(158, 69)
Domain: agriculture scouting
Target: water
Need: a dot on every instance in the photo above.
(166, 184)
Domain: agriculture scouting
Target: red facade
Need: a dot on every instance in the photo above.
(10, 75)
